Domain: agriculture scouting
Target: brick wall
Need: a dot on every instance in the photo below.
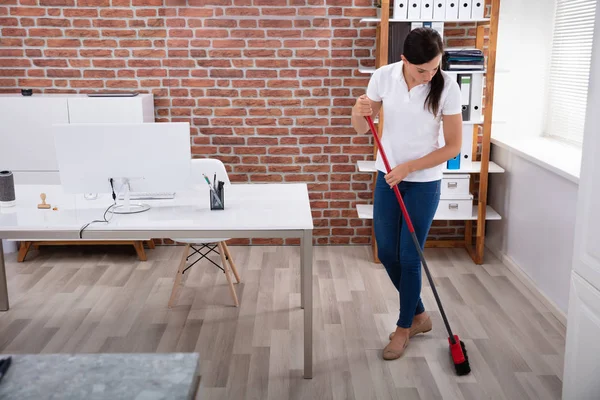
(267, 85)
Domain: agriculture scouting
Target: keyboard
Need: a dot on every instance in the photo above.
(149, 196)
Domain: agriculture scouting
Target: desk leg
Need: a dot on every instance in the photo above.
(307, 289)
(3, 285)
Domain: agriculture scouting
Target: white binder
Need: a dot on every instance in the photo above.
(439, 10)
(414, 9)
(427, 9)
(451, 10)
(439, 27)
(477, 9)
(400, 11)
(466, 150)
(476, 97)
(464, 10)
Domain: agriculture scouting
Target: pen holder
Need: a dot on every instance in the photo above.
(214, 204)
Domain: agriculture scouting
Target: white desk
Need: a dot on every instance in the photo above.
(251, 210)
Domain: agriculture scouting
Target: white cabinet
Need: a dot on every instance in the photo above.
(582, 368)
(26, 143)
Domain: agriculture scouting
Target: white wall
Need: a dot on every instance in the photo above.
(522, 64)
(538, 220)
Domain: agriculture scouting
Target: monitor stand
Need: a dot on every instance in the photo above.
(128, 207)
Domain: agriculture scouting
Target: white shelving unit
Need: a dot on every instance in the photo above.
(474, 168)
(460, 184)
(375, 19)
(365, 211)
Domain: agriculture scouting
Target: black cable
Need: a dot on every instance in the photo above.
(104, 220)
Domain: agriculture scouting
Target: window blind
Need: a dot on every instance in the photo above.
(570, 69)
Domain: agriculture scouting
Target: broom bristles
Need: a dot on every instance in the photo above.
(458, 352)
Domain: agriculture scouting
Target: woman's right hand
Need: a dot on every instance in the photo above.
(362, 107)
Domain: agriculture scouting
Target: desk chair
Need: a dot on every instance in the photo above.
(208, 167)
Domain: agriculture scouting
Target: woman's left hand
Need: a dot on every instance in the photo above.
(397, 174)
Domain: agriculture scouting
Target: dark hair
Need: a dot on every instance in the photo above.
(421, 46)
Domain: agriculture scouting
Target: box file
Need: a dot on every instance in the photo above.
(476, 97)
(477, 9)
(439, 27)
(439, 10)
(455, 208)
(400, 10)
(427, 9)
(464, 10)
(414, 9)
(455, 186)
(464, 81)
(451, 10)
(453, 163)
(466, 150)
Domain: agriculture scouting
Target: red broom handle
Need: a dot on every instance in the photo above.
(388, 168)
(452, 338)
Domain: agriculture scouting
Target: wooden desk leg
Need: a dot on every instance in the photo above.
(23, 250)
(306, 263)
(139, 248)
(3, 281)
(151, 244)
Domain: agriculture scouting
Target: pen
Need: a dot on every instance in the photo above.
(4, 364)
(215, 181)
(212, 190)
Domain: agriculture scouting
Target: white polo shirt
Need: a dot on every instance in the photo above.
(410, 130)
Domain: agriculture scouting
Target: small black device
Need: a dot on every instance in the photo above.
(26, 92)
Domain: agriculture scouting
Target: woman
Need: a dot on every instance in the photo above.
(416, 97)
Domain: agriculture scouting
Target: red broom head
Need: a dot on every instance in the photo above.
(459, 356)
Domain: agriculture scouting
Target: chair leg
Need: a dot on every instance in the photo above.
(233, 268)
(228, 274)
(176, 284)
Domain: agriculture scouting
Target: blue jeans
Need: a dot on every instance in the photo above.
(395, 246)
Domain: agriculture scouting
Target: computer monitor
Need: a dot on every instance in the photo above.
(139, 157)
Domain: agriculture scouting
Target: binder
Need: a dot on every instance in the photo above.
(477, 9)
(415, 25)
(466, 150)
(414, 9)
(439, 27)
(397, 35)
(453, 163)
(427, 9)
(464, 10)
(464, 81)
(400, 11)
(451, 10)
(439, 10)
(476, 97)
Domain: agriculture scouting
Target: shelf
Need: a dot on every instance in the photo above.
(375, 19)
(365, 211)
(475, 168)
(366, 70)
(370, 70)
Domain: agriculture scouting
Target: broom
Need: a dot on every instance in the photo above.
(458, 352)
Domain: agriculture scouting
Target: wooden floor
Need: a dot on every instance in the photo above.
(90, 300)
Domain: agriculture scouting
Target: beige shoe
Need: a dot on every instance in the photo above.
(423, 327)
(393, 354)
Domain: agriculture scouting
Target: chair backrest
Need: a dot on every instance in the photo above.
(208, 167)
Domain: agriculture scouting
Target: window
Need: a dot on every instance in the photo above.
(570, 69)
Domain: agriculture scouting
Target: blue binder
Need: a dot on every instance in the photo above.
(453, 163)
